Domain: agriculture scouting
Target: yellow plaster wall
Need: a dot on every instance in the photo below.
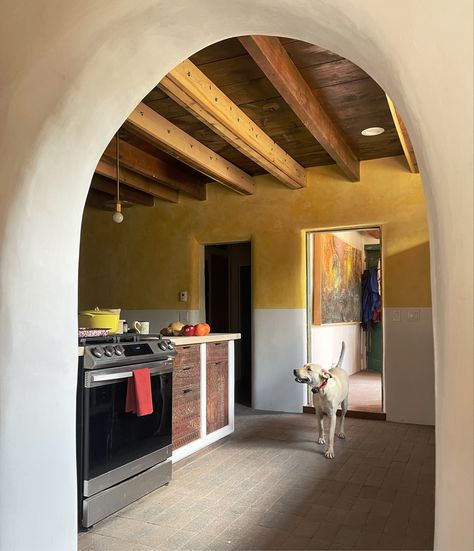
(144, 262)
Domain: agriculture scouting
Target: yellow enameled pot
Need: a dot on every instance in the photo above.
(100, 319)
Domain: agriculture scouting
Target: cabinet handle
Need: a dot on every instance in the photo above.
(185, 391)
(219, 362)
(186, 368)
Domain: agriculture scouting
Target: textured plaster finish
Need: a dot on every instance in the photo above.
(73, 71)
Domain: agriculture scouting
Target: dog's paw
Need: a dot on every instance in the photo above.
(321, 440)
(341, 435)
(329, 454)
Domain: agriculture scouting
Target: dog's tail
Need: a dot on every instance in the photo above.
(341, 355)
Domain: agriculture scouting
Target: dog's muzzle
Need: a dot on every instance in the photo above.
(300, 379)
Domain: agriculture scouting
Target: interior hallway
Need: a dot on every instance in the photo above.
(268, 486)
(365, 391)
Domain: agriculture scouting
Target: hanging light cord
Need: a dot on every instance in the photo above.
(117, 155)
(117, 217)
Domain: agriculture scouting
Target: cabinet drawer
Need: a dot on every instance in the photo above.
(216, 351)
(187, 375)
(187, 355)
(186, 425)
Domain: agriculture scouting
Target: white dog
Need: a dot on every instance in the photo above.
(330, 388)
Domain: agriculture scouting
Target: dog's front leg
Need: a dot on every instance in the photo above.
(329, 453)
(319, 420)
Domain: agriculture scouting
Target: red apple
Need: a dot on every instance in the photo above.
(187, 331)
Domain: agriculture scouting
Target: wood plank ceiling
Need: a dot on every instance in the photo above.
(244, 107)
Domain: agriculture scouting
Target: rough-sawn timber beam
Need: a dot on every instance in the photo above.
(147, 165)
(404, 138)
(157, 130)
(106, 185)
(137, 181)
(272, 58)
(190, 87)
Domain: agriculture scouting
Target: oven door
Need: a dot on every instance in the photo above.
(118, 445)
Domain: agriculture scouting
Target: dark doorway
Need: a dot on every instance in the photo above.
(229, 306)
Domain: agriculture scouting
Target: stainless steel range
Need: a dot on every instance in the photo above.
(121, 456)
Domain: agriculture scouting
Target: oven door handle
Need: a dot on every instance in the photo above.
(111, 376)
(101, 377)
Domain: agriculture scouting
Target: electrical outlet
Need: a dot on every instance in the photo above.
(396, 315)
(413, 315)
(183, 296)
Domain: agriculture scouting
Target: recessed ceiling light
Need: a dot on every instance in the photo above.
(373, 131)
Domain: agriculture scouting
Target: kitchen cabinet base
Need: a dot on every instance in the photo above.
(202, 443)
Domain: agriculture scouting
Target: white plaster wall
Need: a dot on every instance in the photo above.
(409, 374)
(278, 348)
(71, 71)
(160, 318)
(326, 345)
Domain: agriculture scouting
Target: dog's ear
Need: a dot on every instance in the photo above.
(325, 373)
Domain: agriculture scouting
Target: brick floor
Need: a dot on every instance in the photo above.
(268, 486)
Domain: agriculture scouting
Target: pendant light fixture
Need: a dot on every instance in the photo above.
(117, 216)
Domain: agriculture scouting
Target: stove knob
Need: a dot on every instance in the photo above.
(109, 351)
(170, 346)
(97, 351)
(162, 345)
(119, 350)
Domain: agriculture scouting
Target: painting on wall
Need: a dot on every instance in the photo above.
(336, 281)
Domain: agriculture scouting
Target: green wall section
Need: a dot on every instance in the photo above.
(144, 262)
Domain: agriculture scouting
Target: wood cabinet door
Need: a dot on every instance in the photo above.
(186, 425)
(217, 386)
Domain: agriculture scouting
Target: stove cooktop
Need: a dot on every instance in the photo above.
(116, 338)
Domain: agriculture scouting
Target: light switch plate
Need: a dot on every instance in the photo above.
(413, 315)
(396, 315)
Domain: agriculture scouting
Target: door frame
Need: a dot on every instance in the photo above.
(309, 291)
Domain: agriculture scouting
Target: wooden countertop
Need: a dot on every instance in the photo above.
(212, 337)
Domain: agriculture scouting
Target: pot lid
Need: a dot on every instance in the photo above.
(98, 312)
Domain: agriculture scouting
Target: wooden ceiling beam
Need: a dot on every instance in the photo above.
(97, 199)
(189, 86)
(151, 126)
(404, 138)
(272, 58)
(106, 185)
(137, 181)
(147, 165)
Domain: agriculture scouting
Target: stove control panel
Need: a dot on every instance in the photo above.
(109, 353)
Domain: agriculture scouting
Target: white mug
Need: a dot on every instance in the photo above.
(142, 327)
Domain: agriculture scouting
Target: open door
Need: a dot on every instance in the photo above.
(228, 306)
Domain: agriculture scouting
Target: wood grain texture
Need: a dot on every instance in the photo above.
(137, 181)
(107, 186)
(217, 385)
(190, 87)
(186, 411)
(404, 138)
(277, 65)
(152, 167)
(155, 128)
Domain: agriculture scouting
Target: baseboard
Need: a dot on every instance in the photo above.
(378, 416)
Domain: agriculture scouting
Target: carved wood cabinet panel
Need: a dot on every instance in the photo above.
(217, 385)
(186, 426)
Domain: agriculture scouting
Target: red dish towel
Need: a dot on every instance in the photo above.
(139, 398)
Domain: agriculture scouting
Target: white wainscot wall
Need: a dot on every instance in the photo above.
(326, 345)
(159, 318)
(409, 365)
(279, 347)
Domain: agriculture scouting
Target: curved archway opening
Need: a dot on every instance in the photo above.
(40, 231)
